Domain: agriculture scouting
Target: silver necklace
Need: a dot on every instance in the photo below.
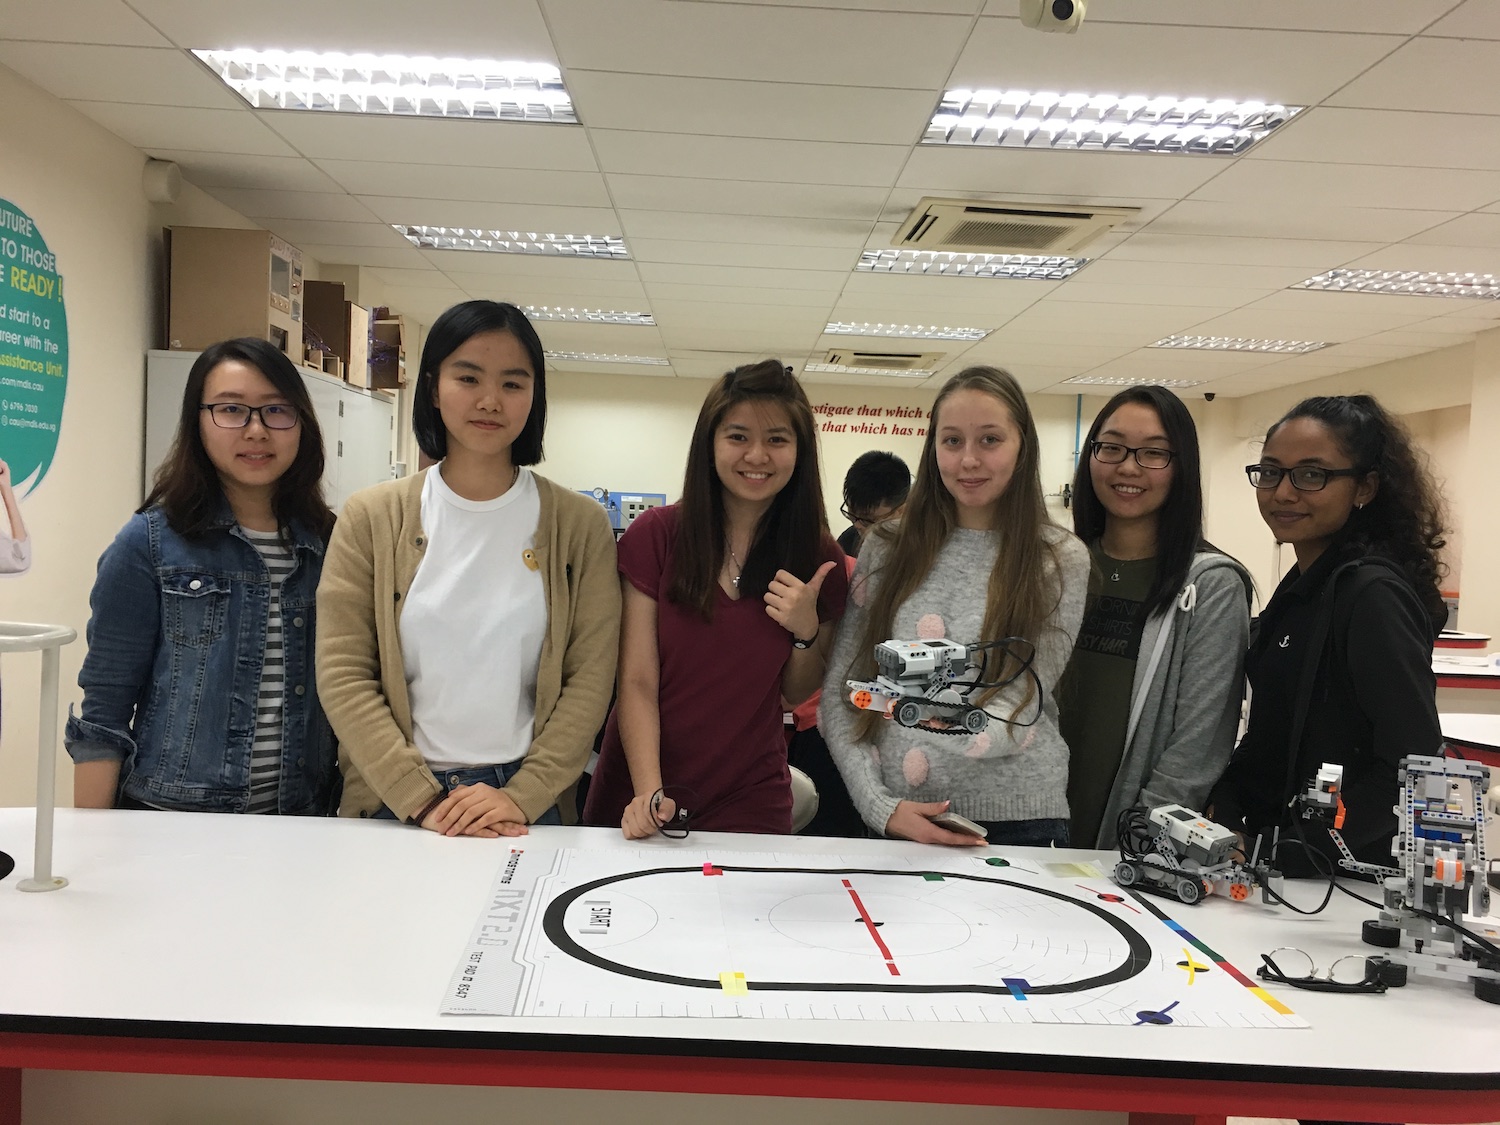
(1115, 577)
(738, 569)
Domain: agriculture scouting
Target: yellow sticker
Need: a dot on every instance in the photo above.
(733, 984)
(1073, 870)
(528, 557)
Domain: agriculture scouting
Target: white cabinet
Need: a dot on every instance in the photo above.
(359, 427)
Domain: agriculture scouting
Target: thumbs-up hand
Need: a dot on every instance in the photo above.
(793, 604)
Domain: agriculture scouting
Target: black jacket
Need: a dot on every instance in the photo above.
(1373, 703)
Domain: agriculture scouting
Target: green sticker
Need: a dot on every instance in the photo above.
(932, 876)
(33, 349)
(996, 861)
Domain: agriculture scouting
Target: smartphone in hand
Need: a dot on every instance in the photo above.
(955, 823)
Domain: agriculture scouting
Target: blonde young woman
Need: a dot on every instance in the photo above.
(975, 558)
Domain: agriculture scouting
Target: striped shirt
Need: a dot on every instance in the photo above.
(265, 751)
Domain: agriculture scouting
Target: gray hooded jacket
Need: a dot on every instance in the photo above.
(1185, 702)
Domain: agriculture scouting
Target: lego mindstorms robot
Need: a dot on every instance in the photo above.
(938, 681)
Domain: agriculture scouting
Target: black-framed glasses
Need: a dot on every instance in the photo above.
(1305, 478)
(1289, 965)
(236, 415)
(1146, 456)
(863, 522)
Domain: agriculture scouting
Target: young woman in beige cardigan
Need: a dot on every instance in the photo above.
(468, 618)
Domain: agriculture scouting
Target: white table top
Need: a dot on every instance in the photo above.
(1456, 662)
(349, 927)
(1472, 730)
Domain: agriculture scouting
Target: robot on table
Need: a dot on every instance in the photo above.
(921, 680)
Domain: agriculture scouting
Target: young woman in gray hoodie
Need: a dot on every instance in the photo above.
(1150, 703)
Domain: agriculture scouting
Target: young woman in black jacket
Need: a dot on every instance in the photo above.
(1340, 661)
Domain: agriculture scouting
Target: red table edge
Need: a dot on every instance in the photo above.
(1173, 1097)
(1465, 642)
(1459, 680)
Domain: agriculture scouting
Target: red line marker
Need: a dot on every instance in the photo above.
(710, 869)
(864, 916)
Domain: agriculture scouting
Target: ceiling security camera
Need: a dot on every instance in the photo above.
(1208, 396)
(1053, 15)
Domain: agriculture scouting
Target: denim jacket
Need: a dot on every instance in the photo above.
(176, 640)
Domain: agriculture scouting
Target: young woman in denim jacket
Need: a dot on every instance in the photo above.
(198, 689)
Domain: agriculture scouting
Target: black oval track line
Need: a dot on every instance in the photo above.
(552, 926)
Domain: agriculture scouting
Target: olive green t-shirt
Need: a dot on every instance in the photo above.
(1094, 696)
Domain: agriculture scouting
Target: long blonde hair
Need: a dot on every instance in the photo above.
(1024, 586)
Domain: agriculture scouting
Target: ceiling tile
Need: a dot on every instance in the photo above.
(511, 29)
(141, 75)
(1391, 16)
(609, 339)
(299, 232)
(78, 21)
(566, 368)
(1119, 270)
(1087, 290)
(739, 254)
(910, 50)
(1463, 257)
(1296, 68)
(1097, 177)
(414, 278)
(1312, 185)
(491, 185)
(1441, 75)
(1283, 324)
(1282, 217)
(1002, 293)
(1315, 255)
(732, 108)
(805, 281)
(395, 258)
(755, 230)
(193, 130)
(416, 140)
(1466, 230)
(577, 292)
(814, 201)
(1370, 136)
(728, 294)
(1476, 19)
(1397, 308)
(419, 211)
(742, 158)
(259, 203)
(215, 170)
(529, 265)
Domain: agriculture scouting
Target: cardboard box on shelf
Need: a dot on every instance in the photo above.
(342, 328)
(224, 283)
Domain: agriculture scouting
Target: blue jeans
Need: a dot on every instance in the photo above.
(1040, 833)
(496, 776)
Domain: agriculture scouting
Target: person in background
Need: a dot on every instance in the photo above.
(1150, 702)
(15, 547)
(1340, 663)
(729, 598)
(875, 489)
(469, 613)
(198, 686)
(975, 559)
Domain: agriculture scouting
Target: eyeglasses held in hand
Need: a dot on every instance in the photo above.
(1305, 478)
(1147, 457)
(236, 415)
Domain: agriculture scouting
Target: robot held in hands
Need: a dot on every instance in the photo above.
(939, 684)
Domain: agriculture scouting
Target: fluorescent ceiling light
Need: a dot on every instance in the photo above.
(1240, 344)
(589, 316)
(839, 369)
(1030, 267)
(907, 331)
(599, 357)
(1117, 381)
(1478, 285)
(514, 242)
(333, 82)
(1103, 122)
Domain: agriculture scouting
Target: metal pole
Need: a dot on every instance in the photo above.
(42, 878)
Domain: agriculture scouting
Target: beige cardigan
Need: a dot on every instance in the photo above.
(376, 547)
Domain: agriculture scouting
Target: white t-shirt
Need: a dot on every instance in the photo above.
(473, 625)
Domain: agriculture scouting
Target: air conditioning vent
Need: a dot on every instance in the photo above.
(885, 361)
(970, 227)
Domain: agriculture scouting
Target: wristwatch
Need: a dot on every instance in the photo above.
(798, 642)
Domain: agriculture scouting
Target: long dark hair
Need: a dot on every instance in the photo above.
(187, 485)
(791, 535)
(1024, 586)
(1405, 521)
(448, 333)
(1179, 526)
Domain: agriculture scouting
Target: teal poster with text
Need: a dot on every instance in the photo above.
(33, 350)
